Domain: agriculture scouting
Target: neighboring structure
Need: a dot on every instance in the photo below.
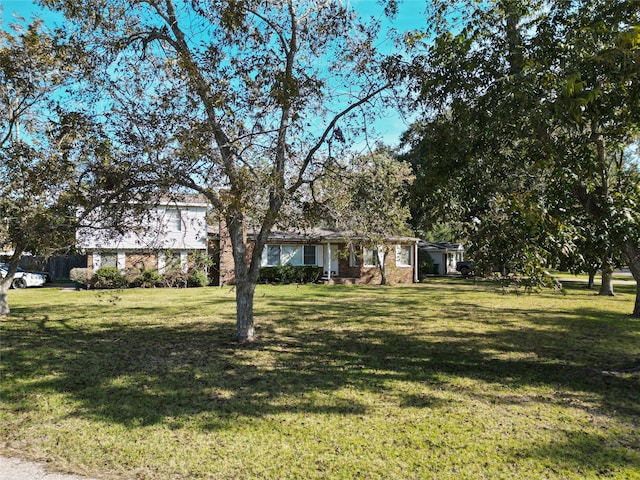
(343, 259)
(165, 236)
(445, 255)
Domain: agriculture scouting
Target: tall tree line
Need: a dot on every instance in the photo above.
(530, 109)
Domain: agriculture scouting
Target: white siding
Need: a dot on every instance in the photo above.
(164, 227)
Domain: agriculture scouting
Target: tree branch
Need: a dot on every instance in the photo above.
(273, 27)
(325, 134)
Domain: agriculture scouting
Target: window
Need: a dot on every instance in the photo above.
(369, 257)
(108, 259)
(310, 255)
(273, 255)
(291, 255)
(174, 220)
(403, 255)
(354, 258)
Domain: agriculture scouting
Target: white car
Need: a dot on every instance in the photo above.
(23, 279)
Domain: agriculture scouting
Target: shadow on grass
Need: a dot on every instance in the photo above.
(144, 374)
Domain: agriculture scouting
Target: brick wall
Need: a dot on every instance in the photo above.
(371, 275)
(226, 263)
(141, 261)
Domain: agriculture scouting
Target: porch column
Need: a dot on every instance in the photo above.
(416, 278)
(121, 261)
(328, 260)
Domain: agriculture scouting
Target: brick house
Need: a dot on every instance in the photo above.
(343, 259)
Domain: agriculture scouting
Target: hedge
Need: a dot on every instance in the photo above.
(109, 277)
(290, 274)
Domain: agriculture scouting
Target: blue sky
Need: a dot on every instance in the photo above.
(411, 12)
(24, 8)
(410, 16)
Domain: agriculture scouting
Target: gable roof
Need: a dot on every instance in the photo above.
(182, 200)
(310, 235)
(440, 246)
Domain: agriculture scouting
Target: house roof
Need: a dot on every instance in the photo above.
(183, 200)
(316, 234)
(440, 246)
(171, 200)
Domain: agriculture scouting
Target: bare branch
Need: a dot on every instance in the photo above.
(326, 133)
(273, 27)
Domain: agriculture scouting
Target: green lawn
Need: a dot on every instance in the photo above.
(449, 379)
(598, 278)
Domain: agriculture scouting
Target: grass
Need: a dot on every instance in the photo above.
(598, 278)
(450, 379)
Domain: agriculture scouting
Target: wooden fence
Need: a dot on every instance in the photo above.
(58, 266)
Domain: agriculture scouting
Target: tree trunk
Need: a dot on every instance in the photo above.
(4, 298)
(592, 279)
(245, 331)
(245, 284)
(246, 275)
(606, 289)
(382, 264)
(5, 283)
(514, 41)
(383, 276)
(636, 307)
(632, 252)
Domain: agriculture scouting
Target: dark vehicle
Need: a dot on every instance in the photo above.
(465, 268)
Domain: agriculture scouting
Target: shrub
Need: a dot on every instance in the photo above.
(175, 278)
(109, 277)
(426, 265)
(82, 276)
(197, 279)
(199, 261)
(146, 279)
(290, 274)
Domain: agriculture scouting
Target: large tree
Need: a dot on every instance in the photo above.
(57, 162)
(473, 150)
(241, 101)
(36, 137)
(541, 98)
(595, 109)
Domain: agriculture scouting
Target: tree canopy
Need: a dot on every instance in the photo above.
(57, 158)
(527, 111)
(528, 108)
(244, 102)
(40, 144)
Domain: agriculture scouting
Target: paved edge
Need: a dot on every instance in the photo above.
(13, 468)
